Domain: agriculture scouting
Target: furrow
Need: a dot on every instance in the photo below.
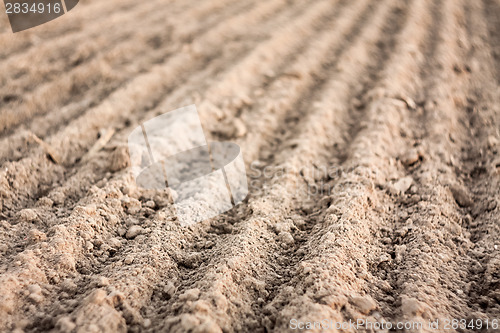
(478, 162)
(431, 251)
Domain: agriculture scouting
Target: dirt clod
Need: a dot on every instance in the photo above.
(461, 196)
(364, 304)
(119, 159)
(134, 231)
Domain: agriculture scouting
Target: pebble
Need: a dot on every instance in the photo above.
(132, 205)
(102, 281)
(461, 196)
(115, 243)
(411, 306)
(119, 159)
(4, 247)
(35, 298)
(36, 236)
(402, 185)
(27, 215)
(364, 304)
(410, 157)
(57, 197)
(128, 260)
(169, 289)
(150, 204)
(239, 128)
(410, 103)
(189, 322)
(134, 231)
(190, 295)
(96, 297)
(492, 141)
(34, 289)
(281, 227)
(121, 231)
(286, 238)
(69, 285)
(208, 327)
(146, 323)
(65, 324)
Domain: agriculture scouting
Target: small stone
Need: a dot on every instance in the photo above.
(286, 238)
(410, 157)
(128, 260)
(119, 159)
(134, 231)
(410, 103)
(281, 227)
(189, 322)
(190, 295)
(169, 289)
(492, 142)
(65, 324)
(364, 304)
(35, 298)
(384, 258)
(461, 196)
(57, 197)
(3, 248)
(36, 236)
(150, 204)
(208, 327)
(27, 215)
(132, 205)
(34, 289)
(102, 281)
(121, 231)
(97, 297)
(411, 306)
(115, 243)
(146, 323)
(401, 186)
(239, 128)
(69, 285)
(45, 202)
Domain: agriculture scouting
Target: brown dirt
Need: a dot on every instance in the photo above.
(371, 133)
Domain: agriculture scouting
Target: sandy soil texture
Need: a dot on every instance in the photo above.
(371, 136)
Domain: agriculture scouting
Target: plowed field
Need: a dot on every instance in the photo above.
(371, 136)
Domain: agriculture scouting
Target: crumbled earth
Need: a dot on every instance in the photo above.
(371, 136)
